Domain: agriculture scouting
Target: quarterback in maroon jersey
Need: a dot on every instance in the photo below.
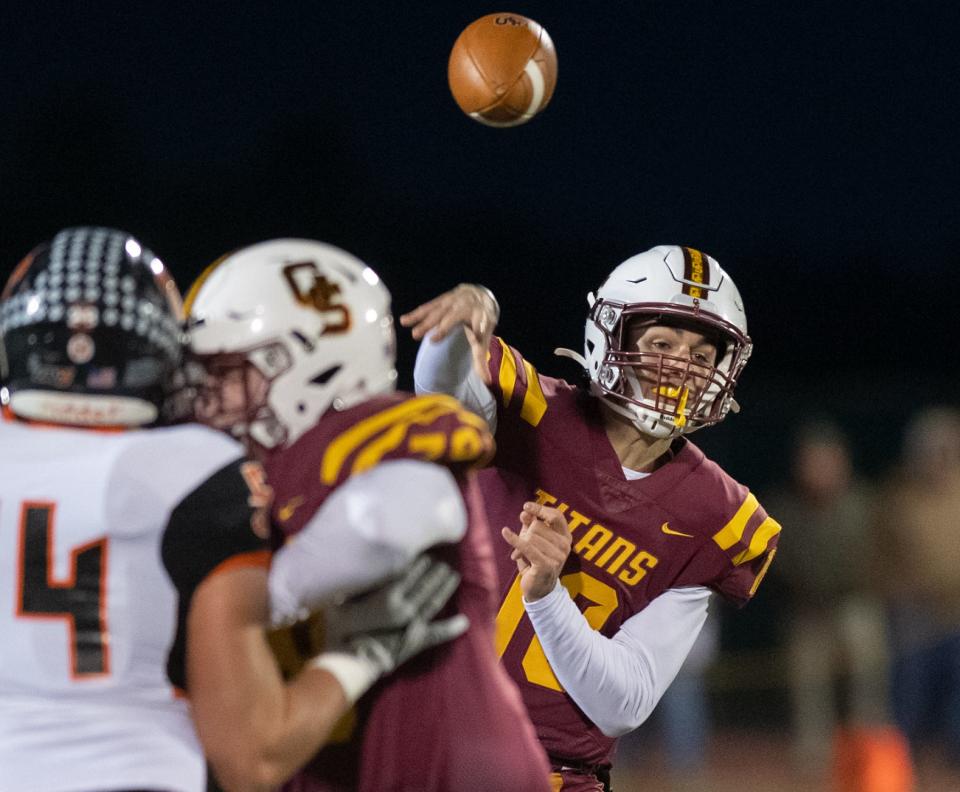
(296, 338)
(626, 527)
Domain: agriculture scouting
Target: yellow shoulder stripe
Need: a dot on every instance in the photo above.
(732, 532)
(534, 404)
(394, 423)
(761, 538)
(763, 571)
(508, 373)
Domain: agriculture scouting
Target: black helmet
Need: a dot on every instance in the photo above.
(90, 332)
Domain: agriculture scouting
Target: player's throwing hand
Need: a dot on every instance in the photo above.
(473, 306)
(540, 549)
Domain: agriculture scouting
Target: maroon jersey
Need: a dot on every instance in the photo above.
(687, 524)
(450, 720)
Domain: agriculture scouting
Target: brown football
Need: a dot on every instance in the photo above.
(502, 69)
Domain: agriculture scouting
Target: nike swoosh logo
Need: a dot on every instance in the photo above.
(670, 532)
(287, 510)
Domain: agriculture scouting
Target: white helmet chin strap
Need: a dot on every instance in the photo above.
(648, 421)
(569, 353)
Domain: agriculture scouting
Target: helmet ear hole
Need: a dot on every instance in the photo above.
(326, 375)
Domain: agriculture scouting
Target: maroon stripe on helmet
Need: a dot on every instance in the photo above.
(696, 268)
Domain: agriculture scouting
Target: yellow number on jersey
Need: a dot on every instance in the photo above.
(535, 666)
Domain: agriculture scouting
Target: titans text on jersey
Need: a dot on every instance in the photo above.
(686, 524)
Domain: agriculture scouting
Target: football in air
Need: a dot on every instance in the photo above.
(502, 69)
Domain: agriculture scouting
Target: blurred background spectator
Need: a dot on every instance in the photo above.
(920, 526)
(834, 633)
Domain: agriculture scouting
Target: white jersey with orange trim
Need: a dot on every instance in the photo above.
(87, 612)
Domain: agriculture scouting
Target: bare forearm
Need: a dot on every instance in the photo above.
(263, 758)
(256, 729)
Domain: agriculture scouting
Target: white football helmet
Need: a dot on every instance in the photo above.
(311, 319)
(667, 285)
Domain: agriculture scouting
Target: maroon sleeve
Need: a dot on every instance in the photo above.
(749, 541)
(515, 384)
(433, 428)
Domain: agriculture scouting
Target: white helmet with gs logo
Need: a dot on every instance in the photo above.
(312, 319)
(669, 285)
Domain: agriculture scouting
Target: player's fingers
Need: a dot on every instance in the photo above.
(544, 546)
(478, 321)
(479, 349)
(412, 577)
(556, 532)
(522, 553)
(416, 586)
(547, 514)
(428, 321)
(454, 314)
(439, 632)
(511, 538)
(432, 599)
(537, 509)
(436, 579)
(429, 315)
(480, 366)
(516, 554)
(534, 525)
(536, 550)
(414, 316)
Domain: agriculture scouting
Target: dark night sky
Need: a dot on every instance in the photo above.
(811, 147)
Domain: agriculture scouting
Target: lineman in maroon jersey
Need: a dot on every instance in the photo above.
(654, 526)
(297, 340)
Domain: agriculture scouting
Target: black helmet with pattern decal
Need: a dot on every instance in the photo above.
(90, 332)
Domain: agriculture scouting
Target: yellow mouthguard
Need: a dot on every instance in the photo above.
(680, 419)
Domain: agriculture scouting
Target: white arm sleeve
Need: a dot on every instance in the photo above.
(446, 366)
(618, 681)
(367, 530)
